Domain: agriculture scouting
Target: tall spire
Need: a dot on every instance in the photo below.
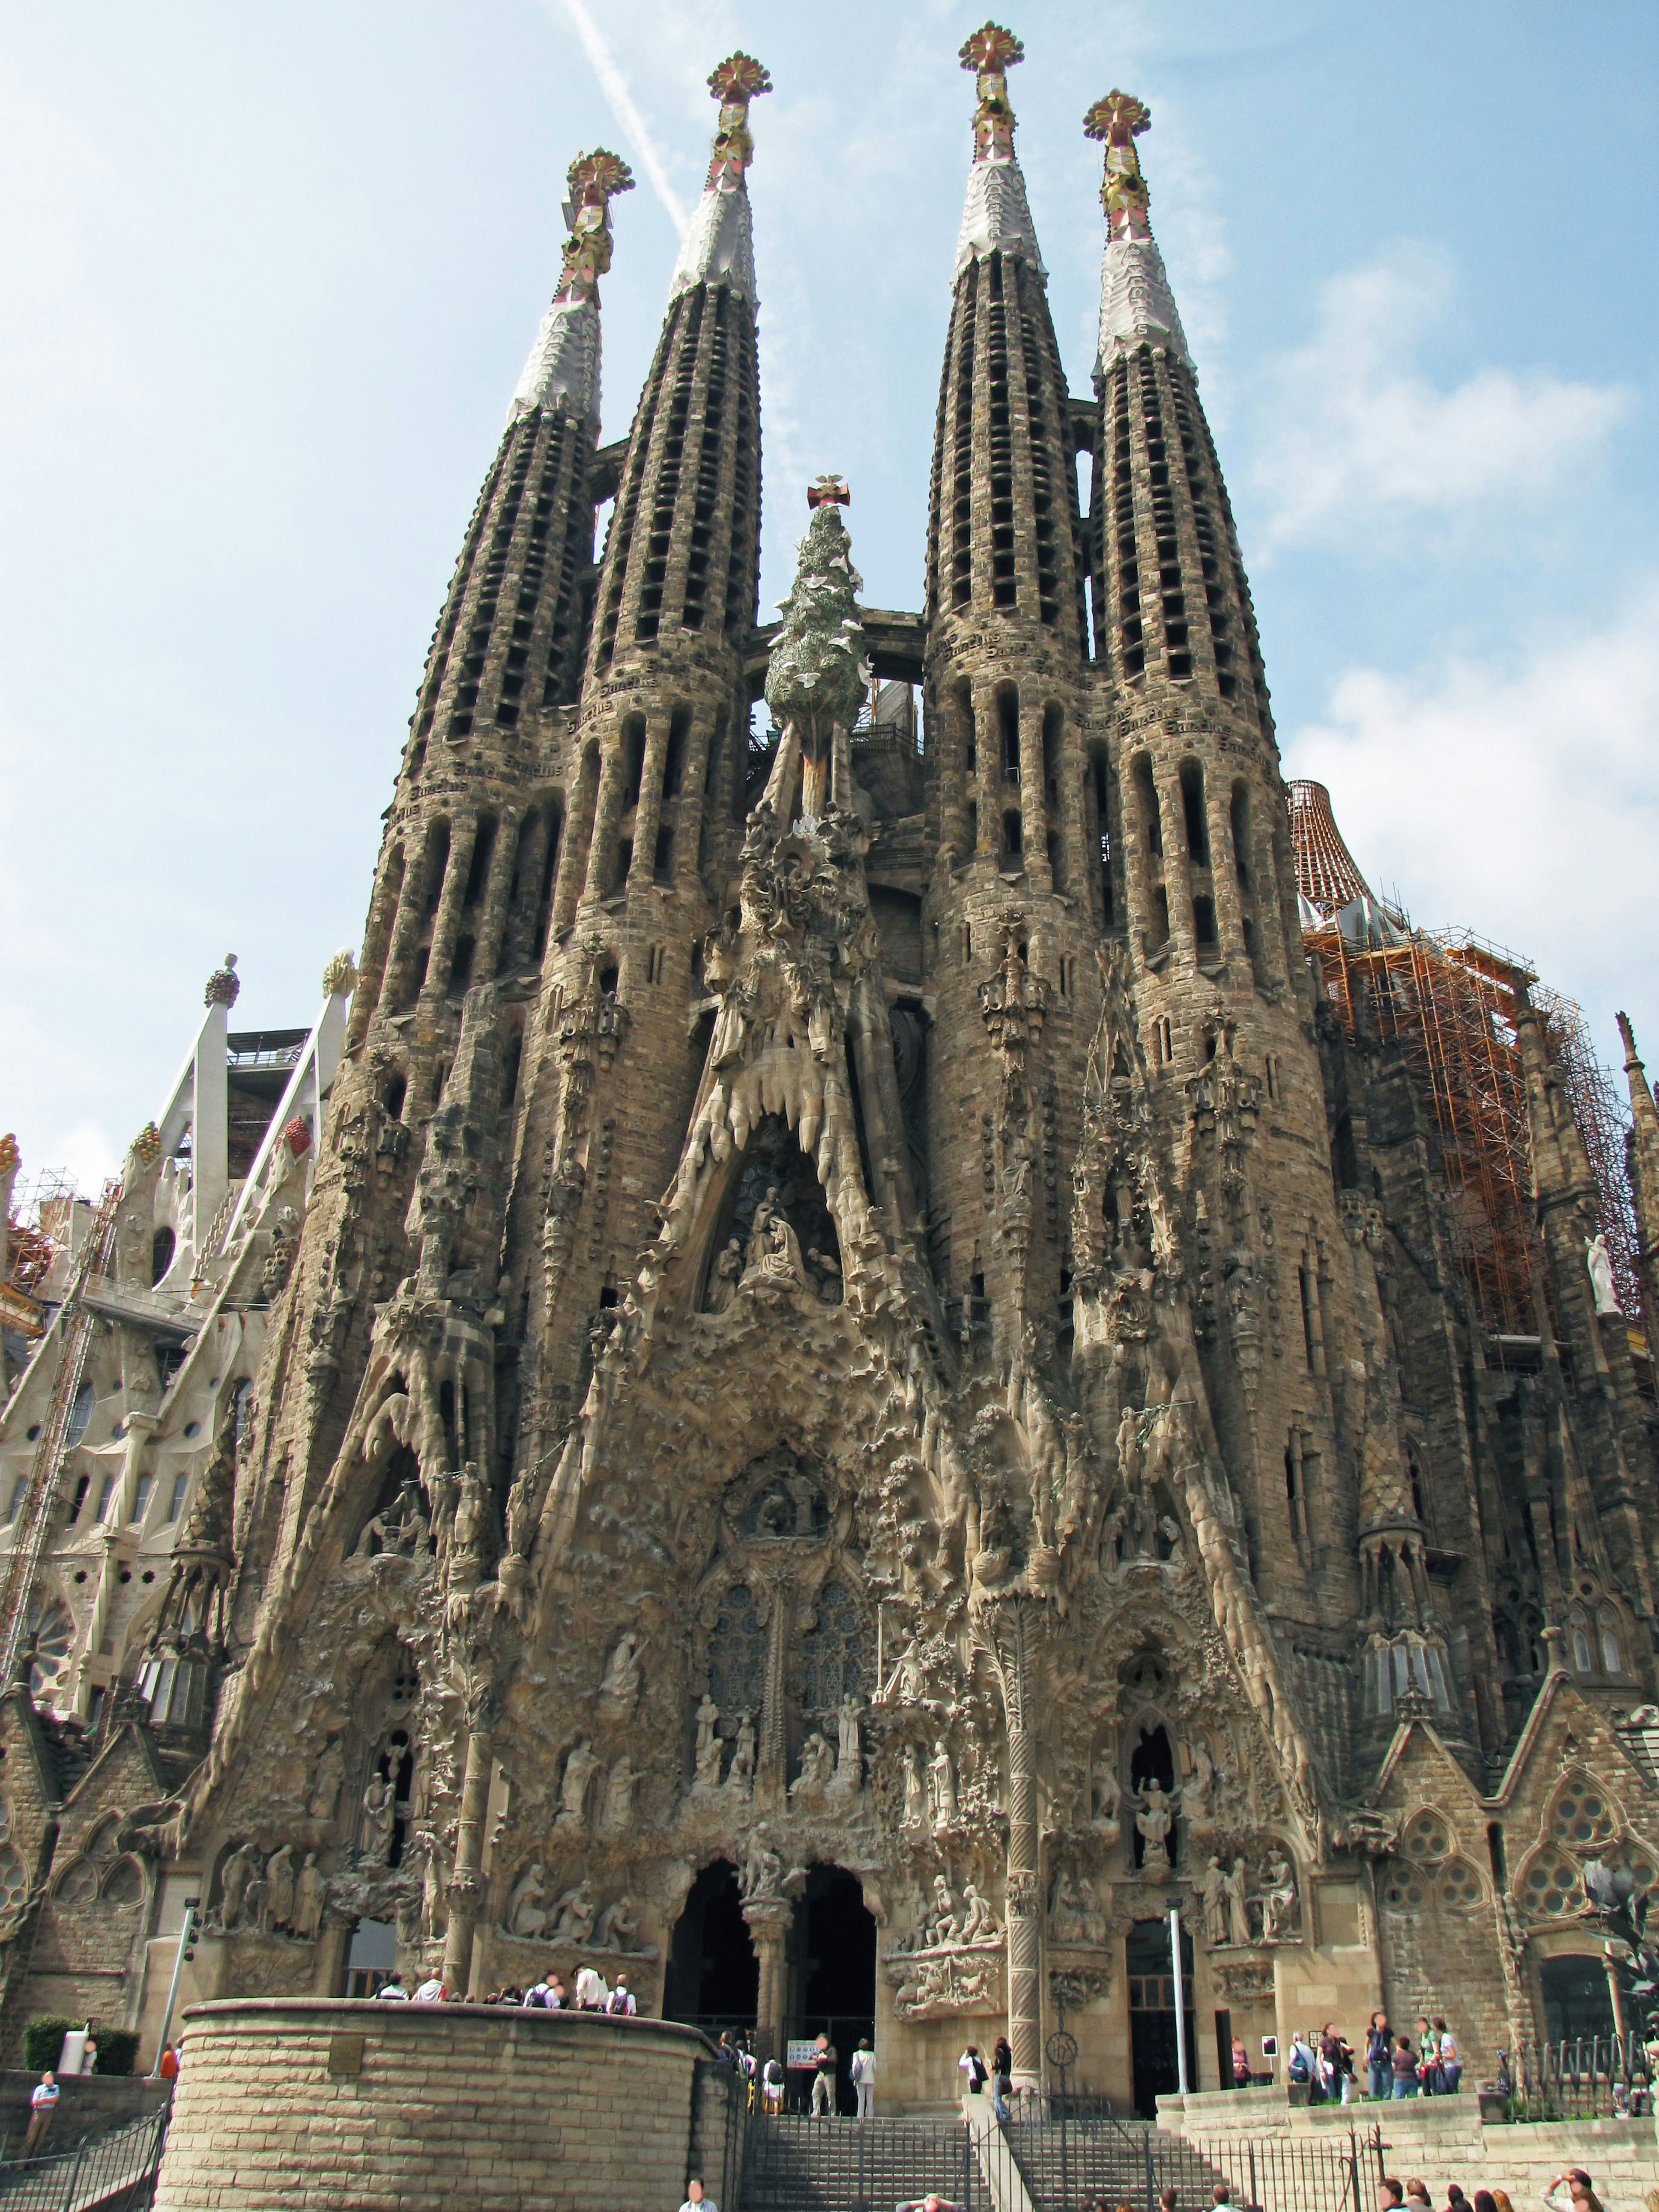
(564, 361)
(718, 246)
(996, 217)
(1136, 307)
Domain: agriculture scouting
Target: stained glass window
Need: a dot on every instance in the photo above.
(832, 1651)
(737, 1655)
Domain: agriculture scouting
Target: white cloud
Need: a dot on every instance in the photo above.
(1355, 437)
(1519, 801)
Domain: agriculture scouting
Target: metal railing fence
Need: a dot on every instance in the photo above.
(1588, 2077)
(112, 2173)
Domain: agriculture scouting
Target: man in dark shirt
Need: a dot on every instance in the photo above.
(823, 2081)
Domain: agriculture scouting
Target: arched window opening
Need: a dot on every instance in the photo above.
(392, 1097)
(673, 765)
(1146, 804)
(1204, 924)
(544, 895)
(512, 1058)
(1582, 1658)
(161, 1255)
(1054, 732)
(1612, 1657)
(1008, 727)
(973, 823)
(1012, 835)
(1239, 821)
(1160, 917)
(969, 740)
(437, 867)
(79, 1416)
(477, 873)
(1192, 808)
(662, 860)
(460, 968)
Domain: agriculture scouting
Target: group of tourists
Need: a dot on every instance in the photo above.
(547, 1995)
(767, 2080)
(1568, 2192)
(1426, 2064)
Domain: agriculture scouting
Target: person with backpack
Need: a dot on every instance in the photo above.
(974, 2071)
(620, 2003)
(538, 1997)
(771, 2086)
(1379, 2065)
(863, 2072)
(1002, 2079)
(1451, 2066)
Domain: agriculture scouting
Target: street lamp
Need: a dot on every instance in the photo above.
(1174, 1904)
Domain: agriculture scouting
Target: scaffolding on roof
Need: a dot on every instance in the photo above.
(1448, 998)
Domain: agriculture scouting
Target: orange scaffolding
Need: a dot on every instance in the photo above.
(1448, 1000)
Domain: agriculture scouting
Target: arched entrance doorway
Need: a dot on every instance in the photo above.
(1149, 1969)
(834, 1980)
(714, 1977)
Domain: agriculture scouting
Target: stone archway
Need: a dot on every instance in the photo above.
(833, 1974)
(713, 1980)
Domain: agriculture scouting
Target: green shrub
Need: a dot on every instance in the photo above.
(43, 2039)
(117, 2049)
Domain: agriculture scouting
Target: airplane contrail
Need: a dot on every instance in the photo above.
(614, 86)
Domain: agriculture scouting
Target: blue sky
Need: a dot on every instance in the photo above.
(270, 275)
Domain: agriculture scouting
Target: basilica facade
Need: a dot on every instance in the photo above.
(870, 1396)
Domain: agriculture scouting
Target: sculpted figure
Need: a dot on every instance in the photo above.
(1109, 1791)
(619, 1787)
(740, 1775)
(818, 1767)
(324, 1794)
(380, 1819)
(434, 1914)
(307, 1899)
(723, 1277)
(908, 1683)
(578, 1772)
(849, 1760)
(916, 1793)
(1599, 1260)
(616, 1926)
(253, 1900)
(1067, 1914)
(708, 1746)
(1214, 1890)
(944, 1927)
(1195, 1788)
(526, 1915)
(1238, 1904)
(619, 1691)
(1154, 1821)
(1279, 1902)
(234, 1877)
(279, 1887)
(572, 1917)
(763, 1871)
(944, 1788)
(978, 1921)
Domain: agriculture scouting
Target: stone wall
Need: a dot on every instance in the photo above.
(1441, 2140)
(397, 2108)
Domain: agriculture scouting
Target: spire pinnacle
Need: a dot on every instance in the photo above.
(719, 246)
(996, 216)
(1137, 307)
(564, 361)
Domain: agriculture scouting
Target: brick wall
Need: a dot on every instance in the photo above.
(448, 2105)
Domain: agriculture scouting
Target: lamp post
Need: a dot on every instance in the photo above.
(186, 1930)
(1174, 1904)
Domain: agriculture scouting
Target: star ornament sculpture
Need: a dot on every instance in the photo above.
(991, 50)
(739, 78)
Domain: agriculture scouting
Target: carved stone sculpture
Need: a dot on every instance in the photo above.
(324, 1795)
(307, 1899)
(1599, 1260)
(1279, 1901)
(914, 1814)
(571, 1920)
(849, 1757)
(817, 1768)
(943, 1778)
(708, 1775)
(616, 1814)
(526, 1913)
(1213, 1888)
(1153, 1823)
(580, 1768)
(1238, 1904)
(380, 1821)
(619, 1691)
(740, 1775)
(279, 1887)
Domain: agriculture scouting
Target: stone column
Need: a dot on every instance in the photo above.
(1223, 874)
(333, 1944)
(492, 923)
(406, 928)
(1007, 1630)
(446, 923)
(988, 748)
(465, 1886)
(769, 1920)
(576, 855)
(1033, 792)
(648, 819)
(608, 813)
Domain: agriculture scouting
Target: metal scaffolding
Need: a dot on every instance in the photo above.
(1448, 1000)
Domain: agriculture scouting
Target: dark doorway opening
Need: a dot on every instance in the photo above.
(835, 1977)
(714, 1977)
(1152, 2051)
(1577, 1999)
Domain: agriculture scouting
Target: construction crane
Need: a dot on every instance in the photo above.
(76, 1322)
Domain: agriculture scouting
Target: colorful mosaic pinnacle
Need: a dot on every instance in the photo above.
(739, 79)
(594, 180)
(1120, 119)
(991, 52)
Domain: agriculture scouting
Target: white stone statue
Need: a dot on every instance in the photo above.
(1213, 1891)
(580, 1768)
(1195, 1787)
(619, 1787)
(307, 1899)
(849, 1759)
(1238, 1904)
(1599, 1260)
(526, 1914)
(817, 1768)
(233, 1878)
(379, 1817)
(572, 1917)
(914, 1814)
(908, 1683)
(944, 1780)
(1154, 1821)
(1108, 1791)
(943, 1926)
(978, 1921)
(740, 1775)
(1280, 1900)
(708, 1746)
